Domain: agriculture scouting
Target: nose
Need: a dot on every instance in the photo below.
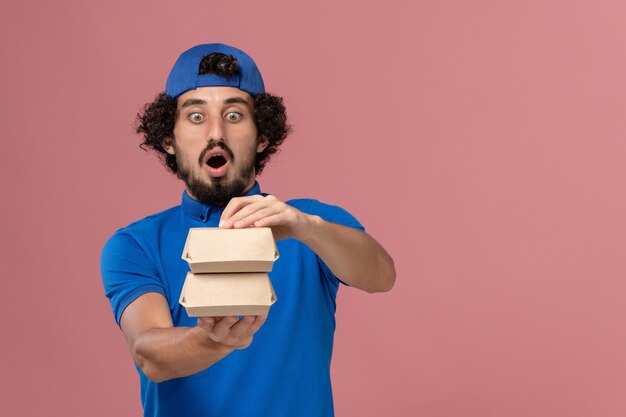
(216, 130)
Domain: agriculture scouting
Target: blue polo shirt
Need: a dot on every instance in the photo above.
(286, 369)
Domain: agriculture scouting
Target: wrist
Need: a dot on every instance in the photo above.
(313, 224)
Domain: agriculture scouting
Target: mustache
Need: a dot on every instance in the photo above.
(212, 145)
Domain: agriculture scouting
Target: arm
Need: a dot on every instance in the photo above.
(353, 256)
(164, 352)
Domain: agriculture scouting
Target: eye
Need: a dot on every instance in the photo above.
(233, 116)
(196, 117)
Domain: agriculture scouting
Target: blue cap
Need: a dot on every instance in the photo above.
(184, 76)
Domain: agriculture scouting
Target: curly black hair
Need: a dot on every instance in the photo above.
(157, 119)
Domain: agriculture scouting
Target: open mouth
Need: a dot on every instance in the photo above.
(216, 161)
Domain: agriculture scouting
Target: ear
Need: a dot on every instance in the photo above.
(262, 144)
(168, 146)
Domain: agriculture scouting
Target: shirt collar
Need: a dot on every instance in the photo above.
(203, 212)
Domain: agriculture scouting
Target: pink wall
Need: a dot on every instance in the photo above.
(483, 143)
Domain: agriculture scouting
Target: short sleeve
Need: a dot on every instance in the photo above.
(337, 215)
(127, 273)
(334, 214)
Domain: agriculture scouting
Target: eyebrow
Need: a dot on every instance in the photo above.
(198, 101)
(192, 102)
(233, 100)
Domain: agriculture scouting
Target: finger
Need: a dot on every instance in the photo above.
(254, 326)
(258, 322)
(252, 218)
(248, 332)
(222, 327)
(277, 219)
(268, 201)
(236, 204)
(247, 210)
(241, 327)
(206, 323)
(233, 206)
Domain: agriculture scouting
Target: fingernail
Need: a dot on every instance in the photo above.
(221, 223)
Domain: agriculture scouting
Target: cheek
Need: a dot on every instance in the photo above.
(245, 139)
(185, 131)
(188, 142)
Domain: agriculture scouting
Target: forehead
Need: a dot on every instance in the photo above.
(215, 96)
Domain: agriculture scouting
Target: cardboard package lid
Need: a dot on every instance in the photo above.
(247, 294)
(211, 249)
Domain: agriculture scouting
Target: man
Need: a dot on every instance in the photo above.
(215, 127)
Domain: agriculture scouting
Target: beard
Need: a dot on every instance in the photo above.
(219, 191)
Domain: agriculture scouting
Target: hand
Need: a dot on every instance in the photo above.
(230, 332)
(259, 211)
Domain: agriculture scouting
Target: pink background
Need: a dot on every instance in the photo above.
(483, 143)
